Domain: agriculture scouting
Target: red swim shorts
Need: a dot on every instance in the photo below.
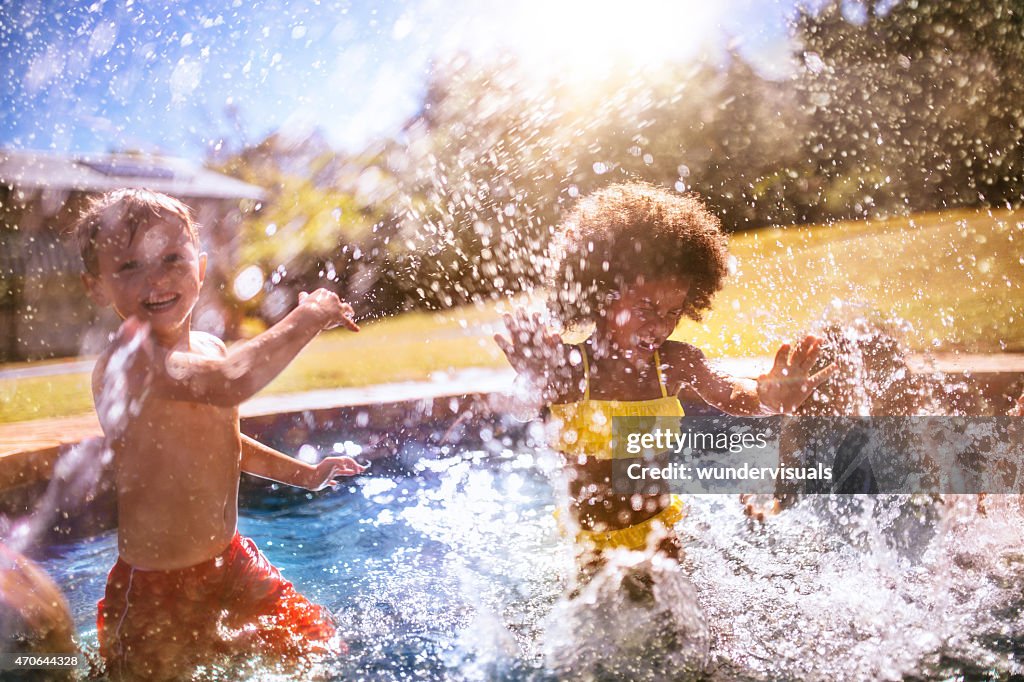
(160, 624)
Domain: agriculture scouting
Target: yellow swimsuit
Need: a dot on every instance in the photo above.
(585, 428)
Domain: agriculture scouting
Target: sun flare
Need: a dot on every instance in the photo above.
(582, 40)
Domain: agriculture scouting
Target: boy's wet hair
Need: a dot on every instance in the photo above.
(134, 208)
(628, 231)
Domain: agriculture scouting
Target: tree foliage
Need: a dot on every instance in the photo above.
(918, 106)
(893, 108)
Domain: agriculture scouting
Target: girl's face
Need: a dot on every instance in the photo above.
(643, 315)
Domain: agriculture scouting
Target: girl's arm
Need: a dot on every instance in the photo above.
(731, 395)
(780, 391)
(266, 462)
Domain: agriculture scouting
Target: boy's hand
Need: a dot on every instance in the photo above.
(331, 467)
(330, 311)
(1018, 408)
(532, 349)
(789, 382)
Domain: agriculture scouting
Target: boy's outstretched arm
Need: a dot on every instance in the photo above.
(247, 367)
(266, 462)
(780, 391)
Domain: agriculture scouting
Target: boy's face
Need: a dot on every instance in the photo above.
(644, 314)
(155, 276)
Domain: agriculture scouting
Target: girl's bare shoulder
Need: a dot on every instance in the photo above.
(679, 354)
(683, 363)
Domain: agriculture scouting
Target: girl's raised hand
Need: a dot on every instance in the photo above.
(538, 356)
(789, 382)
(531, 348)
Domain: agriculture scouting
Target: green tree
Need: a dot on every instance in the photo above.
(314, 227)
(916, 106)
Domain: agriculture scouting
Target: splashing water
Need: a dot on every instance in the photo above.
(455, 570)
(77, 479)
(79, 474)
(447, 564)
(608, 630)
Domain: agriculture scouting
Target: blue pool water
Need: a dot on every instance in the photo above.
(419, 564)
(447, 564)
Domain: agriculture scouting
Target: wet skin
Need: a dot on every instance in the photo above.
(177, 489)
(169, 402)
(621, 356)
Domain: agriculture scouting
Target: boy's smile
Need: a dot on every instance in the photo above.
(154, 275)
(161, 302)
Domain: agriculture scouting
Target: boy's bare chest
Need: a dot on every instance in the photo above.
(178, 439)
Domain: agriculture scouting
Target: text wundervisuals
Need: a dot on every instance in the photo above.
(746, 472)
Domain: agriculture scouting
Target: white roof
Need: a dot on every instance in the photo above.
(104, 172)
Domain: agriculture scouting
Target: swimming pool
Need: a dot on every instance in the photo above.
(446, 563)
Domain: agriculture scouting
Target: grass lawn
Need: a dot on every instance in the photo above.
(408, 347)
(954, 276)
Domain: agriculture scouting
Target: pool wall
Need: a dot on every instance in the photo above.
(27, 475)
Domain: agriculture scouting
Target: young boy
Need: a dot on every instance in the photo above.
(186, 585)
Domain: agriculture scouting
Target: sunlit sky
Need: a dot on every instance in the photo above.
(161, 76)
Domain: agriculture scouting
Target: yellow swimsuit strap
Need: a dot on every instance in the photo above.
(586, 373)
(661, 379)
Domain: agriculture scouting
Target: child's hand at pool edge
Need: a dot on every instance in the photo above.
(330, 468)
(266, 462)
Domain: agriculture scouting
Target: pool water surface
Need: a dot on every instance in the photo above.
(447, 563)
